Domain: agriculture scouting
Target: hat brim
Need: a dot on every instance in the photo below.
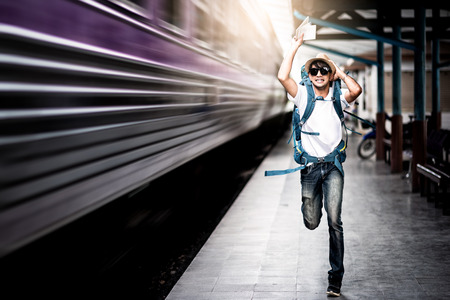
(328, 62)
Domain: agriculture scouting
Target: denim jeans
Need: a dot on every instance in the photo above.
(322, 185)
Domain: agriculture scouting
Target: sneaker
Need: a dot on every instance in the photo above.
(333, 291)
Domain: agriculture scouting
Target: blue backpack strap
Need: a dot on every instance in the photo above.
(310, 103)
(296, 129)
(303, 73)
(340, 156)
(339, 153)
(337, 104)
(337, 99)
(282, 172)
(298, 155)
(361, 119)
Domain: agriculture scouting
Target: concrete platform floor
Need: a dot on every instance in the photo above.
(397, 246)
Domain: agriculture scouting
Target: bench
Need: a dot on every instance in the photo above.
(434, 177)
(435, 173)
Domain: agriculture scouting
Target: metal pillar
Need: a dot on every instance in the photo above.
(419, 123)
(436, 117)
(381, 117)
(397, 120)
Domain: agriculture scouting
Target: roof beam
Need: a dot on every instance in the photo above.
(443, 64)
(337, 36)
(357, 32)
(441, 22)
(405, 36)
(325, 5)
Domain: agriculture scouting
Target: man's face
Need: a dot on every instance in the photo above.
(317, 78)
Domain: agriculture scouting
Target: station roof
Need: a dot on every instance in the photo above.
(374, 17)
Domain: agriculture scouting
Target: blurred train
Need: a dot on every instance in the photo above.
(99, 97)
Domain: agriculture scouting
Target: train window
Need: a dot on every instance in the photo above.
(221, 28)
(244, 37)
(132, 8)
(137, 2)
(248, 38)
(201, 21)
(171, 11)
(130, 3)
(231, 20)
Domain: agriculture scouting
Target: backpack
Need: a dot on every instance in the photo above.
(338, 155)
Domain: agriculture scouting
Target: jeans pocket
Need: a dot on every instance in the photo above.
(307, 169)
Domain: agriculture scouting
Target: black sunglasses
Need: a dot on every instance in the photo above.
(323, 71)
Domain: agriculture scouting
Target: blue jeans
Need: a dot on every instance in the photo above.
(322, 185)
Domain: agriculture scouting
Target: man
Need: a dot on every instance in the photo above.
(322, 182)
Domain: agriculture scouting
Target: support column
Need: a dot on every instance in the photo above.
(436, 116)
(419, 123)
(397, 120)
(381, 154)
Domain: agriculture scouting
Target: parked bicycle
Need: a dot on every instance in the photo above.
(367, 146)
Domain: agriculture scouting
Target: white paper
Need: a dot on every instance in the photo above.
(308, 29)
(305, 21)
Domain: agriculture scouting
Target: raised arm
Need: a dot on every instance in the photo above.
(285, 69)
(354, 89)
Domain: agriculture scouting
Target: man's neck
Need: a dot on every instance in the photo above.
(322, 91)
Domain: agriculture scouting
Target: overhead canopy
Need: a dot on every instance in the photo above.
(355, 26)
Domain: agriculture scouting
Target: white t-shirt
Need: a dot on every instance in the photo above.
(323, 120)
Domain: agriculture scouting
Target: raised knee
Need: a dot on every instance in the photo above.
(311, 225)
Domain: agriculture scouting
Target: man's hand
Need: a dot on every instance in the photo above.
(297, 42)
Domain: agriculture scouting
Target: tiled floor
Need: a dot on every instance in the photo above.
(397, 244)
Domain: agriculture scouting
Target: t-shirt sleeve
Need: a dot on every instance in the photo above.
(297, 99)
(292, 99)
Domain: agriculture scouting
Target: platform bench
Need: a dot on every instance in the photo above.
(431, 176)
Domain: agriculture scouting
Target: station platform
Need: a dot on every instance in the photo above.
(397, 245)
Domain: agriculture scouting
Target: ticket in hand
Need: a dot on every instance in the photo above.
(308, 29)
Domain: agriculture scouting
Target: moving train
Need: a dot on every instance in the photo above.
(99, 97)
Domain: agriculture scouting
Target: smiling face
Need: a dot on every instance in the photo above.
(319, 80)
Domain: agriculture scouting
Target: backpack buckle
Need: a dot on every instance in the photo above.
(320, 160)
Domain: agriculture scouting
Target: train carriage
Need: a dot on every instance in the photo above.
(102, 96)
